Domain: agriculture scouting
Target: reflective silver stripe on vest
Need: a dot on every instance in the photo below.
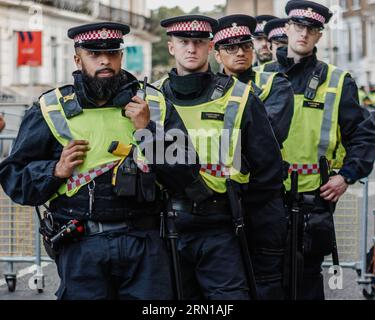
(155, 112)
(328, 112)
(58, 120)
(263, 79)
(51, 99)
(230, 117)
(158, 83)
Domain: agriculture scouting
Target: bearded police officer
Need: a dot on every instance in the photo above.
(326, 115)
(215, 108)
(276, 35)
(261, 47)
(74, 148)
(234, 50)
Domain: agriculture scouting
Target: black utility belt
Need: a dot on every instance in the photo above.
(208, 207)
(146, 223)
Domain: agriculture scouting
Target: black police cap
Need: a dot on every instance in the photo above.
(308, 13)
(261, 22)
(102, 36)
(275, 29)
(235, 28)
(190, 26)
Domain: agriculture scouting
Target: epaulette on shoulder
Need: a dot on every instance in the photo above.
(65, 90)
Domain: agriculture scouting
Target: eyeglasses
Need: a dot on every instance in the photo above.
(233, 48)
(310, 30)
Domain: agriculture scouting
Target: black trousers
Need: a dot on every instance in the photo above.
(266, 227)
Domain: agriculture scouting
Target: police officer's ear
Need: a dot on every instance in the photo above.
(217, 56)
(210, 46)
(171, 46)
(319, 36)
(287, 28)
(78, 59)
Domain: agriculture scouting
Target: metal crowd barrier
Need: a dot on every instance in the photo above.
(352, 223)
(19, 236)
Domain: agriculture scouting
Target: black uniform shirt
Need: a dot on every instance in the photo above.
(279, 103)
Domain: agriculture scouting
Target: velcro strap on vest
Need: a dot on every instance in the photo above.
(83, 178)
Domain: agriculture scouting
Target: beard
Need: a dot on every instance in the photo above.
(264, 57)
(102, 88)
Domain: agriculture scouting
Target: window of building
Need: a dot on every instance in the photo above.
(66, 63)
(343, 5)
(356, 41)
(356, 4)
(54, 69)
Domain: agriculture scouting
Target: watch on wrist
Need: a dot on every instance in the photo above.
(348, 180)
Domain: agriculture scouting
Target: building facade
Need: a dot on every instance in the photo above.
(356, 34)
(53, 18)
(349, 39)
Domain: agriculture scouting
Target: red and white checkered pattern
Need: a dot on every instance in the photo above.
(195, 25)
(142, 166)
(260, 26)
(304, 169)
(277, 32)
(235, 31)
(215, 170)
(101, 34)
(83, 178)
(308, 14)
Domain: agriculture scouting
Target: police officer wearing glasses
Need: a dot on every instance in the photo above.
(329, 127)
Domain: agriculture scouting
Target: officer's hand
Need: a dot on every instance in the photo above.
(334, 188)
(138, 112)
(72, 156)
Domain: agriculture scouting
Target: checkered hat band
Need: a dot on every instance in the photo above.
(215, 170)
(307, 14)
(232, 32)
(195, 25)
(83, 178)
(102, 34)
(278, 32)
(305, 169)
(260, 27)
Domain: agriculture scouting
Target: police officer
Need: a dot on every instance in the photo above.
(276, 35)
(261, 46)
(61, 154)
(234, 50)
(326, 114)
(215, 108)
(233, 45)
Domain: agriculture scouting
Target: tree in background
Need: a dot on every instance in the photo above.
(162, 61)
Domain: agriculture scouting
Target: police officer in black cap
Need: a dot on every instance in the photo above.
(234, 50)
(233, 45)
(261, 47)
(276, 35)
(215, 109)
(327, 120)
(75, 149)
